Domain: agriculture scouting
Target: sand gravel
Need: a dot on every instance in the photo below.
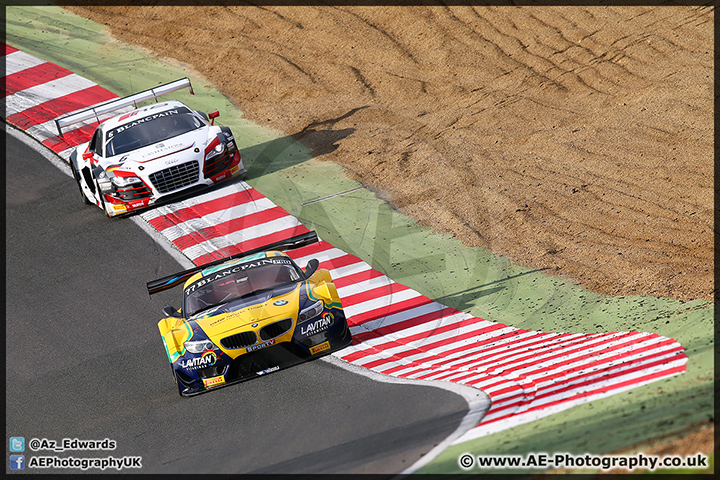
(575, 139)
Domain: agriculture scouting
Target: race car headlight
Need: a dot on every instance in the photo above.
(218, 150)
(199, 346)
(312, 311)
(103, 180)
(123, 182)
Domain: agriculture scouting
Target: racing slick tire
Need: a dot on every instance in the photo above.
(178, 385)
(100, 196)
(76, 176)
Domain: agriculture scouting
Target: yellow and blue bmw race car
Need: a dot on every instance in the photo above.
(248, 315)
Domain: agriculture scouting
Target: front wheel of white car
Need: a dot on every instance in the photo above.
(100, 197)
(76, 176)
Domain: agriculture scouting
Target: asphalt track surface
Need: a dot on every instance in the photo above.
(84, 360)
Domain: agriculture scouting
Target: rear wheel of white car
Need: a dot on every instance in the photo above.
(76, 175)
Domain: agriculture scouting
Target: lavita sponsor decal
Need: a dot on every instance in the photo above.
(206, 360)
(318, 325)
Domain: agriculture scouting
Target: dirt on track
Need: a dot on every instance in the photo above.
(573, 139)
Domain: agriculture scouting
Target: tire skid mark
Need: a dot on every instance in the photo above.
(294, 65)
(366, 85)
(278, 15)
(560, 185)
(584, 43)
(632, 216)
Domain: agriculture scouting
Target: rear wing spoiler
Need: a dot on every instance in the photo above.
(119, 103)
(175, 279)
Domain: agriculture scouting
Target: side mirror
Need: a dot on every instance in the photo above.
(87, 155)
(213, 115)
(311, 267)
(169, 311)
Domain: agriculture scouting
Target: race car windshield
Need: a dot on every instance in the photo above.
(150, 130)
(231, 283)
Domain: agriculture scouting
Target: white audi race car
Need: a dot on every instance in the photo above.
(150, 154)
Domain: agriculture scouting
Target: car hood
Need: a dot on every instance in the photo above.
(245, 316)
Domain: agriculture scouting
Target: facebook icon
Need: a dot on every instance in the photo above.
(17, 462)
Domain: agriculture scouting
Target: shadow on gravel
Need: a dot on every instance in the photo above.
(318, 137)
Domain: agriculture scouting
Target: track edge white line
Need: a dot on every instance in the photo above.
(478, 404)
